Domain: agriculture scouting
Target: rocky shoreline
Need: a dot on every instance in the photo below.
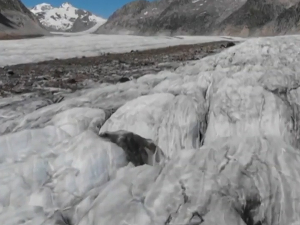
(77, 73)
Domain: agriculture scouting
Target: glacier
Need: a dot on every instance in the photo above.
(85, 44)
(228, 125)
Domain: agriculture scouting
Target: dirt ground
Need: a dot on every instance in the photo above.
(76, 73)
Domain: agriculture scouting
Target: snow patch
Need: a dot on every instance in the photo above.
(41, 7)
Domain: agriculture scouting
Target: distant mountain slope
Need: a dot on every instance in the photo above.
(257, 18)
(288, 21)
(204, 17)
(16, 21)
(169, 16)
(65, 18)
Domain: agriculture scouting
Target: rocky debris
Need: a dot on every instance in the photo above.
(228, 45)
(124, 79)
(138, 149)
(72, 74)
(10, 72)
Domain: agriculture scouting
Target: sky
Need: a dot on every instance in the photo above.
(102, 8)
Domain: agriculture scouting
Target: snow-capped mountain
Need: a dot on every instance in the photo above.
(65, 17)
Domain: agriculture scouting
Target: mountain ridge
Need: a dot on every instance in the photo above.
(202, 17)
(16, 21)
(66, 17)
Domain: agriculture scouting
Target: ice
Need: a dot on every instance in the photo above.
(180, 126)
(228, 124)
(144, 120)
(74, 121)
(78, 45)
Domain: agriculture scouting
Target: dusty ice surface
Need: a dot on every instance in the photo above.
(89, 31)
(84, 44)
(229, 125)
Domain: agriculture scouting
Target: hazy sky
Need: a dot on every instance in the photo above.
(102, 8)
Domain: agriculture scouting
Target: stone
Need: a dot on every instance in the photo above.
(10, 72)
(124, 79)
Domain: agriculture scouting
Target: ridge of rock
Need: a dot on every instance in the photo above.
(16, 21)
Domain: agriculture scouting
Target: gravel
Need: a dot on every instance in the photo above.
(69, 75)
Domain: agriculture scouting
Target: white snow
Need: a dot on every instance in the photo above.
(77, 45)
(246, 99)
(97, 19)
(89, 31)
(61, 18)
(41, 7)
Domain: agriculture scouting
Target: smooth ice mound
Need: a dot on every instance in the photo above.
(227, 124)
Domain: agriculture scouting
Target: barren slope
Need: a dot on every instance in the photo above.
(169, 16)
(16, 21)
(203, 17)
(260, 18)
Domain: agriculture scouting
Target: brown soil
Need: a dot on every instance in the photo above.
(77, 73)
(4, 36)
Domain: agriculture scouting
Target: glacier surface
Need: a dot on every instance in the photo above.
(228, 124)
(84, 44)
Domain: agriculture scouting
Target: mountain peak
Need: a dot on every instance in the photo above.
(66, 5)
(41, 7)
(65, 17)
